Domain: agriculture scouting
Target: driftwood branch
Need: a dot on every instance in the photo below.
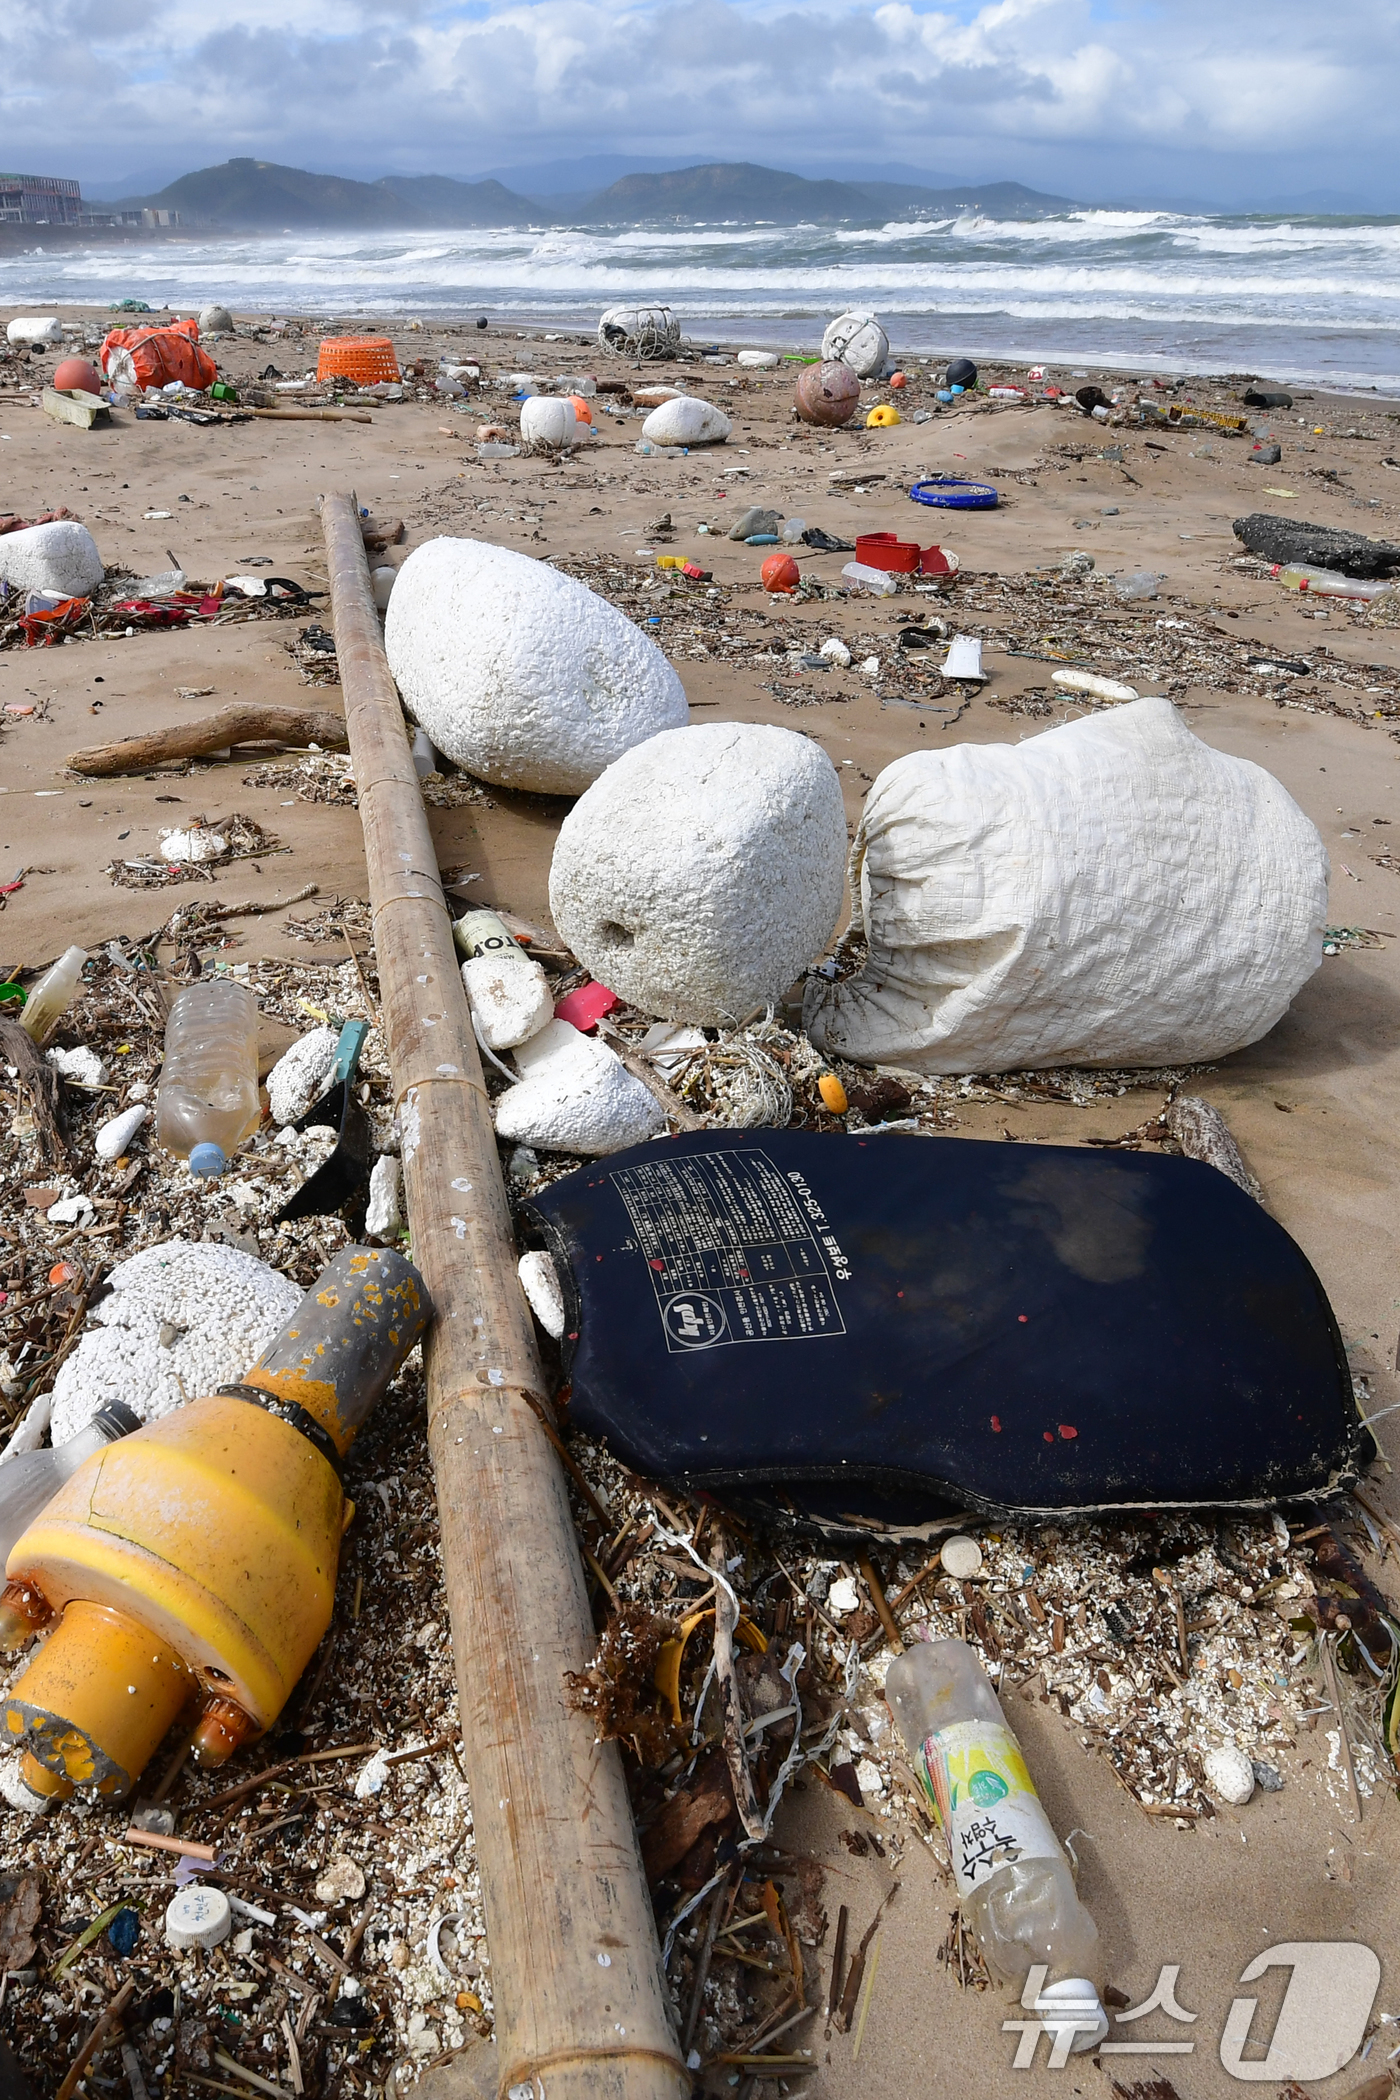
(41, 1082)
(235, 724)
(311, 415)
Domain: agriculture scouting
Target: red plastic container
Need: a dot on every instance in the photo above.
(885, 550)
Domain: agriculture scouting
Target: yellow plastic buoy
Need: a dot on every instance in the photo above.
(884, 417)
(833, 1093)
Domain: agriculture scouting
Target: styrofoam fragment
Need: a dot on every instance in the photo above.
(510, 996)
(1114, 892)
(1229, 1774)
(687, 421)
(223, 1307)
(576, 1096)
(757, 360)
(116, 1133)
(539, 1279)
(705, 869)
(383, 1215)
(71, 1210)
(16, 1789)
(196, 845)
(299, 1075)
(836, 652)
(82, 1065)
(521, 675)
(372, 1776)
(59, 557)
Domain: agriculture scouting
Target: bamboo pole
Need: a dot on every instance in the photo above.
(580, 2003)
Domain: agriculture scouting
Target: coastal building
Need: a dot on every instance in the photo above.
(40, 200)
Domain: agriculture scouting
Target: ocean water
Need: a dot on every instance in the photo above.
(1309, 299)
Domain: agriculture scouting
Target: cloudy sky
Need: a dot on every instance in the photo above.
(1208, 99)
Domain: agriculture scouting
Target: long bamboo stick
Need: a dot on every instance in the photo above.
(580, 2002)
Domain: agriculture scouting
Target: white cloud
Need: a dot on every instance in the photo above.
(1018, 87)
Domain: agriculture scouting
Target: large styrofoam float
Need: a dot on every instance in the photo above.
(518, 674)
(705, 870)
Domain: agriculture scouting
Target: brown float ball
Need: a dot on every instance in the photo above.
(827, 394)
(76, 375)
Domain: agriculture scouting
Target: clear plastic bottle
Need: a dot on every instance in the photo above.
(1017, 1890)
(29, 1482)
(53, 994)
(1328, 583)
(207, 1100)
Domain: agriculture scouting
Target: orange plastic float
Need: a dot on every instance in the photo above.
(780, 573)
(581, 408)
(367, 359)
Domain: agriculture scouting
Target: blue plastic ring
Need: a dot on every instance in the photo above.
(949, 492)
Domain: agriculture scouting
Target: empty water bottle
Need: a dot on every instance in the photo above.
(53, 994)
(1014, 1881)
(207, 1100)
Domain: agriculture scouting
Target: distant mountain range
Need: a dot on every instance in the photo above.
(259, 195)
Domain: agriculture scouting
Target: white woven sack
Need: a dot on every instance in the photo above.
(1113, 892)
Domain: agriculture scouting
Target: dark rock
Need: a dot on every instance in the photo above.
(1266, 397)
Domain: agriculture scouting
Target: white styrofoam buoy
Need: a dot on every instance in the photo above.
(548, 421)
(687, 421)
(856, 338)
(520, 675)
(644, 331)
(215, 320)
(383, 1212)
(758, 360)
(705, 869)
(59, 557)
(300, 1075)
(539, 1279)
(116, 1133)
(198, 1916)
(1230, 1774)
(575, 1096)
(35, 328)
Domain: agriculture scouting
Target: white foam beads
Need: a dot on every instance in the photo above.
(520, 675)
(60, 557)
(704, 871)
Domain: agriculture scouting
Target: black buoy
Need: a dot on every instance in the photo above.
(962, 372)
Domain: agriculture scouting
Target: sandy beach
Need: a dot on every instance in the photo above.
(1313, 1106)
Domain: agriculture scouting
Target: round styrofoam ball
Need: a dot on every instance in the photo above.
(215, 320)
(180, 1320)
(1230, 1774)
(857, 339)
(687, 421)
(827, 394)
(35, 328)
(59, 557)
(704, 870)
(548, 420)
(520, 675)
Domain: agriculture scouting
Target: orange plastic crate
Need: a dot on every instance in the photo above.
(366, 359)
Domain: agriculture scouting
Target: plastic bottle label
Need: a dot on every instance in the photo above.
(985, 1800)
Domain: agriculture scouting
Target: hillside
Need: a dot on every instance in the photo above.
(743, 190)
(262, 195)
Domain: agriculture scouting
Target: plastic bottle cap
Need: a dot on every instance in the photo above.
(199, 1916)
(207, 1158)
(1076, 2002)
